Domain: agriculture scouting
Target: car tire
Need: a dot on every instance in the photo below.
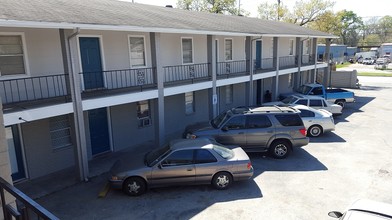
(341, 103)
(134, 186)
(315, 131)
(280, 149)
(222, 180)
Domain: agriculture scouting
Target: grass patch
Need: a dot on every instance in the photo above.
(374, 74)
(346, 64)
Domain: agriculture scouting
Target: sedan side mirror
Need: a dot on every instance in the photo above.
(160, 166)
(225, 128)
(335, 214)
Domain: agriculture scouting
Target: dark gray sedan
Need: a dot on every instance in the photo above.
(182, 162)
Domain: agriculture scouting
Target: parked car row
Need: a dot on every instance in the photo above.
(215, 152)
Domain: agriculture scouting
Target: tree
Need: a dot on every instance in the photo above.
(275, 11)
(213, 6)
(350, 23)
(306, 12)
(385, 29)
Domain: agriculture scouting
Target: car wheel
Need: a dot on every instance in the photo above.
(341, 103)
(222, 180)
(280, 149)
(134, 186)
(315, 131)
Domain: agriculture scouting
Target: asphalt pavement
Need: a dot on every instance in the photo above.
(353, 162)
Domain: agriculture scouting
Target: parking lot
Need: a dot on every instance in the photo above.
(354, 161)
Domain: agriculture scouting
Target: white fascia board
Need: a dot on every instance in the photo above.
(288, 71)
(264, 75)
(230, 81)
(321, 65)
(187, 88)
(304, 68)
(118, 99)
(37, 114)
(298, 35)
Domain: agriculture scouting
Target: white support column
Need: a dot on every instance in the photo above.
(212, 50)
(69, 45)
(276, 55)
(155, 39)
(250, 67)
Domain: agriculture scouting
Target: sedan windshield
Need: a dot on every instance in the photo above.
(221, 118)
(289, 100)
(304, 89)
(223, 152)
(154, 156)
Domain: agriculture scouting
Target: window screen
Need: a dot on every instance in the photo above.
(136, 45)
(60, 132)
(11, 55)
(187, 51)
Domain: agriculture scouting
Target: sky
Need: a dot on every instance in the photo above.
(372, 8)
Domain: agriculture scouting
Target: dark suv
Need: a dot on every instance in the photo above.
(259, 129)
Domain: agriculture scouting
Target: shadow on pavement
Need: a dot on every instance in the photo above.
(352, 108)
(327, 137)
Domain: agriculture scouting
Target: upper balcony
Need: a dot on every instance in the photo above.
(55, 89)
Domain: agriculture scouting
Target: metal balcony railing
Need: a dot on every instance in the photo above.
(232, 68)
(33, 88)
(287, 62)
(25, 208)
(264, 65)
(308, 59)
(190, 72)
(119, 79)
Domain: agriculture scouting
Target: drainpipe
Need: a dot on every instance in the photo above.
(81, 146)
(251, 70)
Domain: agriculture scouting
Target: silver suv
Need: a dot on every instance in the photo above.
(259, 129)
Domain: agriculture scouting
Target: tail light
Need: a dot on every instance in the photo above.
(303, 131)
(249, 166)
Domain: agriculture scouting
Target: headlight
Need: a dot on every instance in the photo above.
(114, 178)
(190, 136)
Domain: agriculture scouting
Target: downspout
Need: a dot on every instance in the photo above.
(251, 70)
(301, 54)
(81, 149)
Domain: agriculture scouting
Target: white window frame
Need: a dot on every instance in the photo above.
(193, 103)
(229, 94)
(291, 47)
(182, 51)
(145, 121)
(68, 128)
(231, 52)
(130, 53)
(25, 57)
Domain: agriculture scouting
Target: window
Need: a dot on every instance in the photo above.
(189, 103)
(289, 120)
(178, 158)
(317, 91)
(315, 103)
(306, 113)
(235, 123)
(291, 52)
(228, 49)
(229, 94)
(143, 114)
(204, 156)
(11, 55)
(60, 132)
(258, 121)
(136, 48)
(302, 102)
(187, 50)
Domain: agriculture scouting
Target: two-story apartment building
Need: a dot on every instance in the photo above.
(83, 78)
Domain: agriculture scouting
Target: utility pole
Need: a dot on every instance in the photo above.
(278, 10)
(239, 7)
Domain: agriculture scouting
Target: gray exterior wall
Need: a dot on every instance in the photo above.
(41, 158)
(125, 130)
(175, 118)
(284, 84)
(239, 97)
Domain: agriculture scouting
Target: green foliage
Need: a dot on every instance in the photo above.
(213, 6)
(274, 12)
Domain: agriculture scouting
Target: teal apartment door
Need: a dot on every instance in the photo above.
(99, 131)
(91, 62)
(258, 54)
